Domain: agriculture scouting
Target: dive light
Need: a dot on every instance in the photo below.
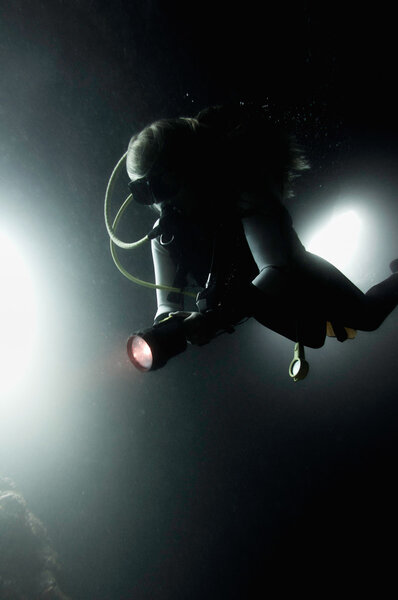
(150, 349)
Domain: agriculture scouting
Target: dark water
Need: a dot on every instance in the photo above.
(217, 476)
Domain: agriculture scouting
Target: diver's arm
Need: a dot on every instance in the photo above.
(274, 244)
(165, 271)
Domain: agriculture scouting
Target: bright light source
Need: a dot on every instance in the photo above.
(18, 316)
(337, 241)
(141, 353)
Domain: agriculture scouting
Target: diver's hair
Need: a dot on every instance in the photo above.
(259, 145)
(158, 141)
(233, 141)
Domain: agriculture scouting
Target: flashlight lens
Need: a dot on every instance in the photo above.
(140, 353)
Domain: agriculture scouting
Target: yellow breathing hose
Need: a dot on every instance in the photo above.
(115, 241)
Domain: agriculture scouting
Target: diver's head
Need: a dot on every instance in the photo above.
(162, 159)
(165, 144)
(206, 161)
(174, 161)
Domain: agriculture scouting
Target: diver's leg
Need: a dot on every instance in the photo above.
(344, 302)
(381, 300)
(276, 300)
(297, 302)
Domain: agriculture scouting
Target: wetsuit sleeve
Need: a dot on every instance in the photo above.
(165, 272)
(273, 242)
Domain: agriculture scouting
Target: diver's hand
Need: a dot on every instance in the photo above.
(198, 329)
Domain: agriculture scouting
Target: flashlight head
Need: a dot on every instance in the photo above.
(140, 353)
(151, 349)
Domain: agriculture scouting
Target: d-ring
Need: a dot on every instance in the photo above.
(163, 243)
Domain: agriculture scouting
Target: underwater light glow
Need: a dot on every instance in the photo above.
(140, 353)
(338, 240)
(18, 315)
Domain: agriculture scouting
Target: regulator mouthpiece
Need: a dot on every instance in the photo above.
(151, 349)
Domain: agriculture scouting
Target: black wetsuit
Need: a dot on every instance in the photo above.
(276, 280)
(263, 268)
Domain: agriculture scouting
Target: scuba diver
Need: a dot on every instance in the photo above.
(219, 182)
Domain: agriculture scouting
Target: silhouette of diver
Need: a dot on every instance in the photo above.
(219, 182)
(28, 563)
